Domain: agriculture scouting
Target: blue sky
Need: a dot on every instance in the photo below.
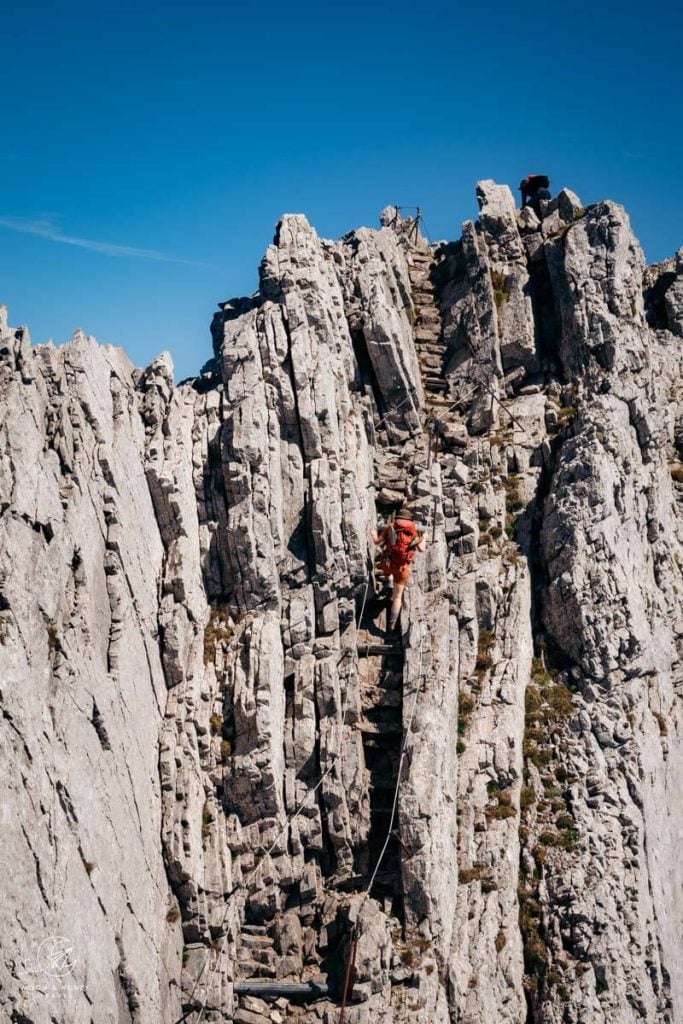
(185, 130)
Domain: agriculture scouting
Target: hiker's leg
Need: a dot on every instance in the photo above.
(385, 581)
(396, 604)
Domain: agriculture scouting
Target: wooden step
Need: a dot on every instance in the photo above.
(308, 991)
(380, 728)
(256, 941)
(253, 968)
(372, 650)
(388, 703)
(360, 881)
(385, 699)
(381, 690)
(257, 954)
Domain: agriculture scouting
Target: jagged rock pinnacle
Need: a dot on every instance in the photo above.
(211, 747)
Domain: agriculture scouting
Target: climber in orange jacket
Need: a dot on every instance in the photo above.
(399, 539)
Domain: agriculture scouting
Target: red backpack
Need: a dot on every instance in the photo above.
(400, 546)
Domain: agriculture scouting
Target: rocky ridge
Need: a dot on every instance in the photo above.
(203, 722)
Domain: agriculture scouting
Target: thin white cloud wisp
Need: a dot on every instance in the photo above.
(46, 228)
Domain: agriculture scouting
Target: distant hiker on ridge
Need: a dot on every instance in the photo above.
(534, 189)
(400, 539)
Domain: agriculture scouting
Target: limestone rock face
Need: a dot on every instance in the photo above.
(228, 793)
(83, 693)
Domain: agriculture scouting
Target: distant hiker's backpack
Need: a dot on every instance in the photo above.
(401, 537)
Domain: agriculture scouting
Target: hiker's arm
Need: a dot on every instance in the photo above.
(420, 542)
(377, 538)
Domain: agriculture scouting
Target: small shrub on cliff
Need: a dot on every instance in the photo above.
(485, 641)
(497, 812)
(540, 673)
(532, 701)
(569, 838)
(465, 709)
(473, 874)
(551, 790)
(207, 818)
(677, 472)
(511, 485)
(538, 757)
(216, 723)
(559, 700)
(483, 663)
(484, 660)
(535, 950)
(500, 288)
(527, 797)
(216, 631)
